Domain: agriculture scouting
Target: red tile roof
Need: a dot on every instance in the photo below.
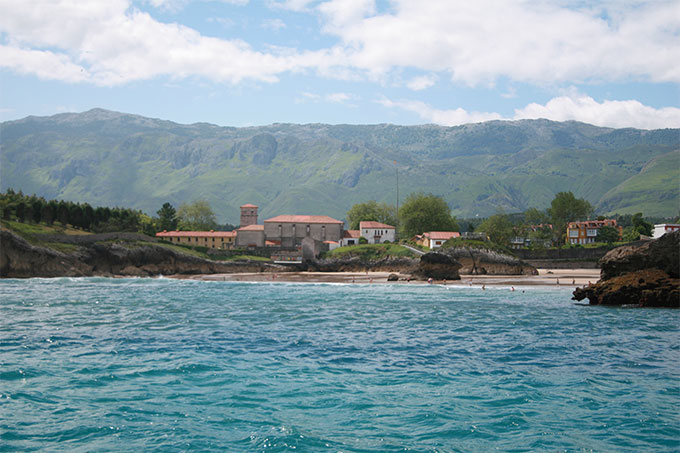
(375, 225)
(351, 234)
(303, 219)
(252, 228)
(442, 235)
(249, 206)
(200, 234)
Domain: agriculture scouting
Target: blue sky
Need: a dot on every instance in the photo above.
(244, 62)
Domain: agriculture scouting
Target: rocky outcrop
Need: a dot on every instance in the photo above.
(438, 266)
(356, 264)
(20, 259)
(431, 265)
(479, 261)
(646, 275)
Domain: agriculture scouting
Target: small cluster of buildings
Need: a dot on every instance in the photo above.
(295, 237)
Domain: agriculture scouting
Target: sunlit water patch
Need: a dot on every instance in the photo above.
(155, 364)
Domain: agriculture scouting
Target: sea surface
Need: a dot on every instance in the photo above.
(99, 364)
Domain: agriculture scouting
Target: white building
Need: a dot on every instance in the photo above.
(350, 237)
(376, 232)
(663, 228)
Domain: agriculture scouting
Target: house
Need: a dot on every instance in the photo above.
(435, 239)
(211, 239)
(376, 232)
(586, 232)
(350, 237)
(663, 228)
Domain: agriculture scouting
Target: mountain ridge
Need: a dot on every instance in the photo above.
(111, 158)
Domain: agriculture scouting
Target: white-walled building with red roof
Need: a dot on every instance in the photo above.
(376, 232)
(435, 239)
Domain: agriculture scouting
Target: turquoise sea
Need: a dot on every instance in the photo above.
(100, 364)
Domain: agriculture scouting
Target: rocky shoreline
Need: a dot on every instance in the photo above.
(644, 275)
(136, 255)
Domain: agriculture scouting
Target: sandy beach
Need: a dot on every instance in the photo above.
(545, 277)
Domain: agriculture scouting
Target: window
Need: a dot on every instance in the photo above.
(573, 233)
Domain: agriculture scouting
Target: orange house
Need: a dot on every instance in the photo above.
(586, 232)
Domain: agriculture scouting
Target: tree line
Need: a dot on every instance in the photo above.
(197, 215)
(34, 209)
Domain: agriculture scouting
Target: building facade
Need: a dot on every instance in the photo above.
(376, 232)
(211, 239)
(290, 230)
(586, 232)
(250, 236)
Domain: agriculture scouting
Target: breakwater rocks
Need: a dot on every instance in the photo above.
(480, 261)
(646, 275)
(110, 256)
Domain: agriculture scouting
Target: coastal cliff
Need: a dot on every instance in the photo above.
(107, 255)
(646, 275)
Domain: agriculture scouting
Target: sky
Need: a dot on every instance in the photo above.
(613, 63)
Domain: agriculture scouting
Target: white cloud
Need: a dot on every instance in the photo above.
(43, 64)
(584, 108)
(422, 82)
(336, 98)
(538, 42)
(576, 107)
(474, 43)
(115, 44)
(442, 117)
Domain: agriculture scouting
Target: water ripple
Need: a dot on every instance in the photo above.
(157, 364)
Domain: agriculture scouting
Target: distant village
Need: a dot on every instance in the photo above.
(291, 238)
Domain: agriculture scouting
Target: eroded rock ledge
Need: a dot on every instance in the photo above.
(646, 275)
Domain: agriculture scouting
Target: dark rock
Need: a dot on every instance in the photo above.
(438, 266)
(644, 275)
(392, 278)
(356, 264)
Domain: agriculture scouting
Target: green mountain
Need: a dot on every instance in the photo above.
(109, 158)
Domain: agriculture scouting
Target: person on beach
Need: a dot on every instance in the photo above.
(429, 280)
(483, 286)
(512, 288)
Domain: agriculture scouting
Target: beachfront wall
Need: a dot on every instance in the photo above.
(289, 231)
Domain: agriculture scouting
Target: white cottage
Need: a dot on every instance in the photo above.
(377, 233)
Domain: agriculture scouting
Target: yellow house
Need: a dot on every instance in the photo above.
(211, 239)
